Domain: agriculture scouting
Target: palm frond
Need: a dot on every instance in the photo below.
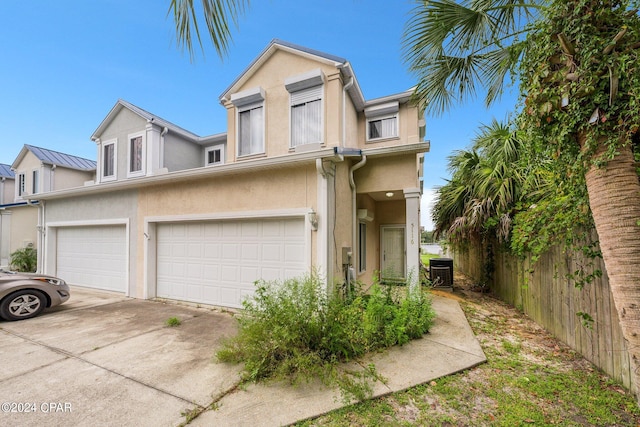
(218, 15)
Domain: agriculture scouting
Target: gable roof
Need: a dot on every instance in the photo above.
(6, 172)
(51, 157)
(145, 115)
(276, 44)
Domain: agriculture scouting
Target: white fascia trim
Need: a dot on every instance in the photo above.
(419, 147)
(196, 173)
(84, 223)
(220, 216)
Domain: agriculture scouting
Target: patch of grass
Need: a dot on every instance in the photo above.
(172, 322)
(295, 331)
(425, 257)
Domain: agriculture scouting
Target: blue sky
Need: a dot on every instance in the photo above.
(65, 64)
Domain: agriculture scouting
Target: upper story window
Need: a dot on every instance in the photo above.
(109, 160)
(214, 155)
(382, 121)
(35, 182)
(136, 154)
(250, 114)
(306, 93)
(22, 185)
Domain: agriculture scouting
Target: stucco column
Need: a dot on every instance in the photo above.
(412, 203)
(153, 149)
(5, 237)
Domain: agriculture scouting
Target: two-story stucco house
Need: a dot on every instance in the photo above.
(34, 171)
(308, 176)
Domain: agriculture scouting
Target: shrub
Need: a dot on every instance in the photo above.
(294, 330)
(24, 260)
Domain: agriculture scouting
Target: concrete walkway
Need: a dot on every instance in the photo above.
(106, 360)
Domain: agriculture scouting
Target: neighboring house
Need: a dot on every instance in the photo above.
(35, 171)
(7, 179)
(309, 176)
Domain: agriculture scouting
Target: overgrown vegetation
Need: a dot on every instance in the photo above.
(295, 331)
(24, 260)
(530, 378)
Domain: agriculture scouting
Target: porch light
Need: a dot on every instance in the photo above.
(389, 194)
(313, 219)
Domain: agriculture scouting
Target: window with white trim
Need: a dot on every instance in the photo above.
(382, 127)
(22, 189)
(109, 160)
(306, 116)
(214, 155)
(136, 154)
(250, 121)
(35, 181)
(382, 121)
(251, 130)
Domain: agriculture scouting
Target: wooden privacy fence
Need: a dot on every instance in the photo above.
(545, 293)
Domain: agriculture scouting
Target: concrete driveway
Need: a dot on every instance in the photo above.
(104, 359)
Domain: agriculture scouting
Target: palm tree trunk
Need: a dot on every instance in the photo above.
(614, 196)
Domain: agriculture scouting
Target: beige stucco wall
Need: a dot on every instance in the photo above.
(8, 191)
(24, 227)
(271, 78)
(392, 173)
(63, 178)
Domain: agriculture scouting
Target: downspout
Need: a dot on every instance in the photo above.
(345, 88)
(161, 154)
(354, 226)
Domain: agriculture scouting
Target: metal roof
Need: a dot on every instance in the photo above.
(5, 171)
(60, 159)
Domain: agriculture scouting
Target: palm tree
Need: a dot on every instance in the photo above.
(480, 199)
(579, 67)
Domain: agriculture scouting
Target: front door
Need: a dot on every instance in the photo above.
(393, 263)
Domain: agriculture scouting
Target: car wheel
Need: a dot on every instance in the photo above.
(22, 304)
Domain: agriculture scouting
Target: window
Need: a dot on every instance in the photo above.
(214, 155)
(109, 161)
(136, 154)
(250, 130)
(383, 128)
(306, 92)
(35, 182)
(306, 116)
(22, 190)
(362, 247)
(382, 120)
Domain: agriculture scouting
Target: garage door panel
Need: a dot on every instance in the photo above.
(231, 256)
(92, 256)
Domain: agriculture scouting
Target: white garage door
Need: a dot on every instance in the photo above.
(93, 256)
(217, 262)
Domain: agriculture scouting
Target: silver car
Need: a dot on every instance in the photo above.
(25, 295)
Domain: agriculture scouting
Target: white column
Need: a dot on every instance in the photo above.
(412, 202)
